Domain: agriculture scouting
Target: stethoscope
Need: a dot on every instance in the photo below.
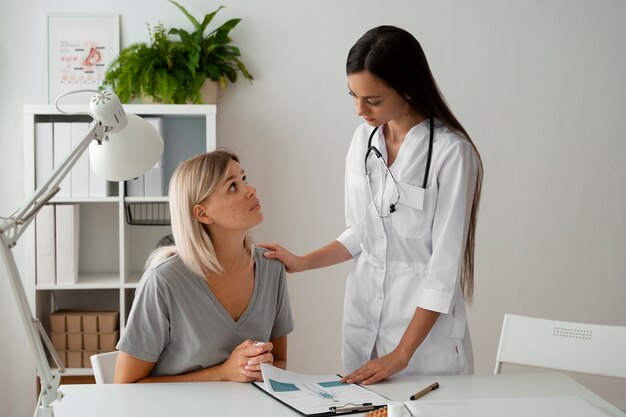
(371, 148)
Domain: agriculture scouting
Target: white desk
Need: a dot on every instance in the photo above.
(228, 399)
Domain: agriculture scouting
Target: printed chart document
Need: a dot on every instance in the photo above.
(318, 395)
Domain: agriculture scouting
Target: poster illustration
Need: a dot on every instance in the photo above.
(80, 48)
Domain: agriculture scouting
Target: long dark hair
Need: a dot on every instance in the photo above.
(396, 57)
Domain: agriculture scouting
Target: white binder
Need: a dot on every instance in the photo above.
(80, 171)
(153, 179)
(135, 187)
(45, 250)
(62, 148)
(44, 152)
(67, 236)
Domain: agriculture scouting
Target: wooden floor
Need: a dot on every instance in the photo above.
(83, 379)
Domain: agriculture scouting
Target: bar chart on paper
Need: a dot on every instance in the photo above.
(316, 394)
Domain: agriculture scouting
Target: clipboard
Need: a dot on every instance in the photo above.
(318, 395)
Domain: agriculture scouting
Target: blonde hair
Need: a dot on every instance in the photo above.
(193, 182)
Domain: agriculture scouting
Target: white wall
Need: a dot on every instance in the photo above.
(540, 86)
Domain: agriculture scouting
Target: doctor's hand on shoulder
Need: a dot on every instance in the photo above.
(293, 263)
(331, 254)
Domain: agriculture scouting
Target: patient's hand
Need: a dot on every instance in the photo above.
(244, 363)
(254, 364)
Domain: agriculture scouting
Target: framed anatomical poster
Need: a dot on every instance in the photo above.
(80, 48)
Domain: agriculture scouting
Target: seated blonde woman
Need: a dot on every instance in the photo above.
(212, 307)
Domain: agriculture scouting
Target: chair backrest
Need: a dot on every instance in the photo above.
(104, 367)
(577, 347)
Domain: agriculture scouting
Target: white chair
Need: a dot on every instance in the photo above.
(104, 367)
(577, 347)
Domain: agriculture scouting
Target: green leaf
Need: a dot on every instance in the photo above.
(228, 26)
(186, 13)
(208, 18)
(179, 32)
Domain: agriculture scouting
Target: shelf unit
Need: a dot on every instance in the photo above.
(111, 252)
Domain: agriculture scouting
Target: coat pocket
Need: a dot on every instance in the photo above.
(413, 214)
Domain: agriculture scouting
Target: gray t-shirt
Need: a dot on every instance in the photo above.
(177, 322)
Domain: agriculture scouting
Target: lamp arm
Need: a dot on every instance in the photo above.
(49, 385)
(15, 225)
(10, 231)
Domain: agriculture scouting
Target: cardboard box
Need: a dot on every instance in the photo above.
(87, 354)
(108, 341)
(77, 335)
(84, 321)
(108, 321)
(57, 322)
(74, 323)
(90, 341)
(59, 340)
(74, 359)
(74, 341)
(90, 323)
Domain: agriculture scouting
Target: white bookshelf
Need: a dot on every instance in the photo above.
(112, 252)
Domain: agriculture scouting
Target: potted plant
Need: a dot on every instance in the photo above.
(175, 65)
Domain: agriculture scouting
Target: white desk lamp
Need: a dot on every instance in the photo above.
(121, 147)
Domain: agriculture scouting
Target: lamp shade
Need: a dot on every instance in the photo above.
(128, 153)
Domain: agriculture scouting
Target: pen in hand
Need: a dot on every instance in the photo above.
(426, 390)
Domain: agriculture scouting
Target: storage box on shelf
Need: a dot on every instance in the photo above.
(113, 246)
(77, 335)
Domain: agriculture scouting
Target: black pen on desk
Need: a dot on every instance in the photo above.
(426, 390)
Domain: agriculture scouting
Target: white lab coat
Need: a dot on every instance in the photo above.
(413, 257)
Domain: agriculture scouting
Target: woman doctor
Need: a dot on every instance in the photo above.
(413, 180)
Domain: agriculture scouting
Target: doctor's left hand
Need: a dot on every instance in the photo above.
(293, 263)
(377, 369)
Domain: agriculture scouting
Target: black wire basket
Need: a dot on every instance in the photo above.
(148, 214)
